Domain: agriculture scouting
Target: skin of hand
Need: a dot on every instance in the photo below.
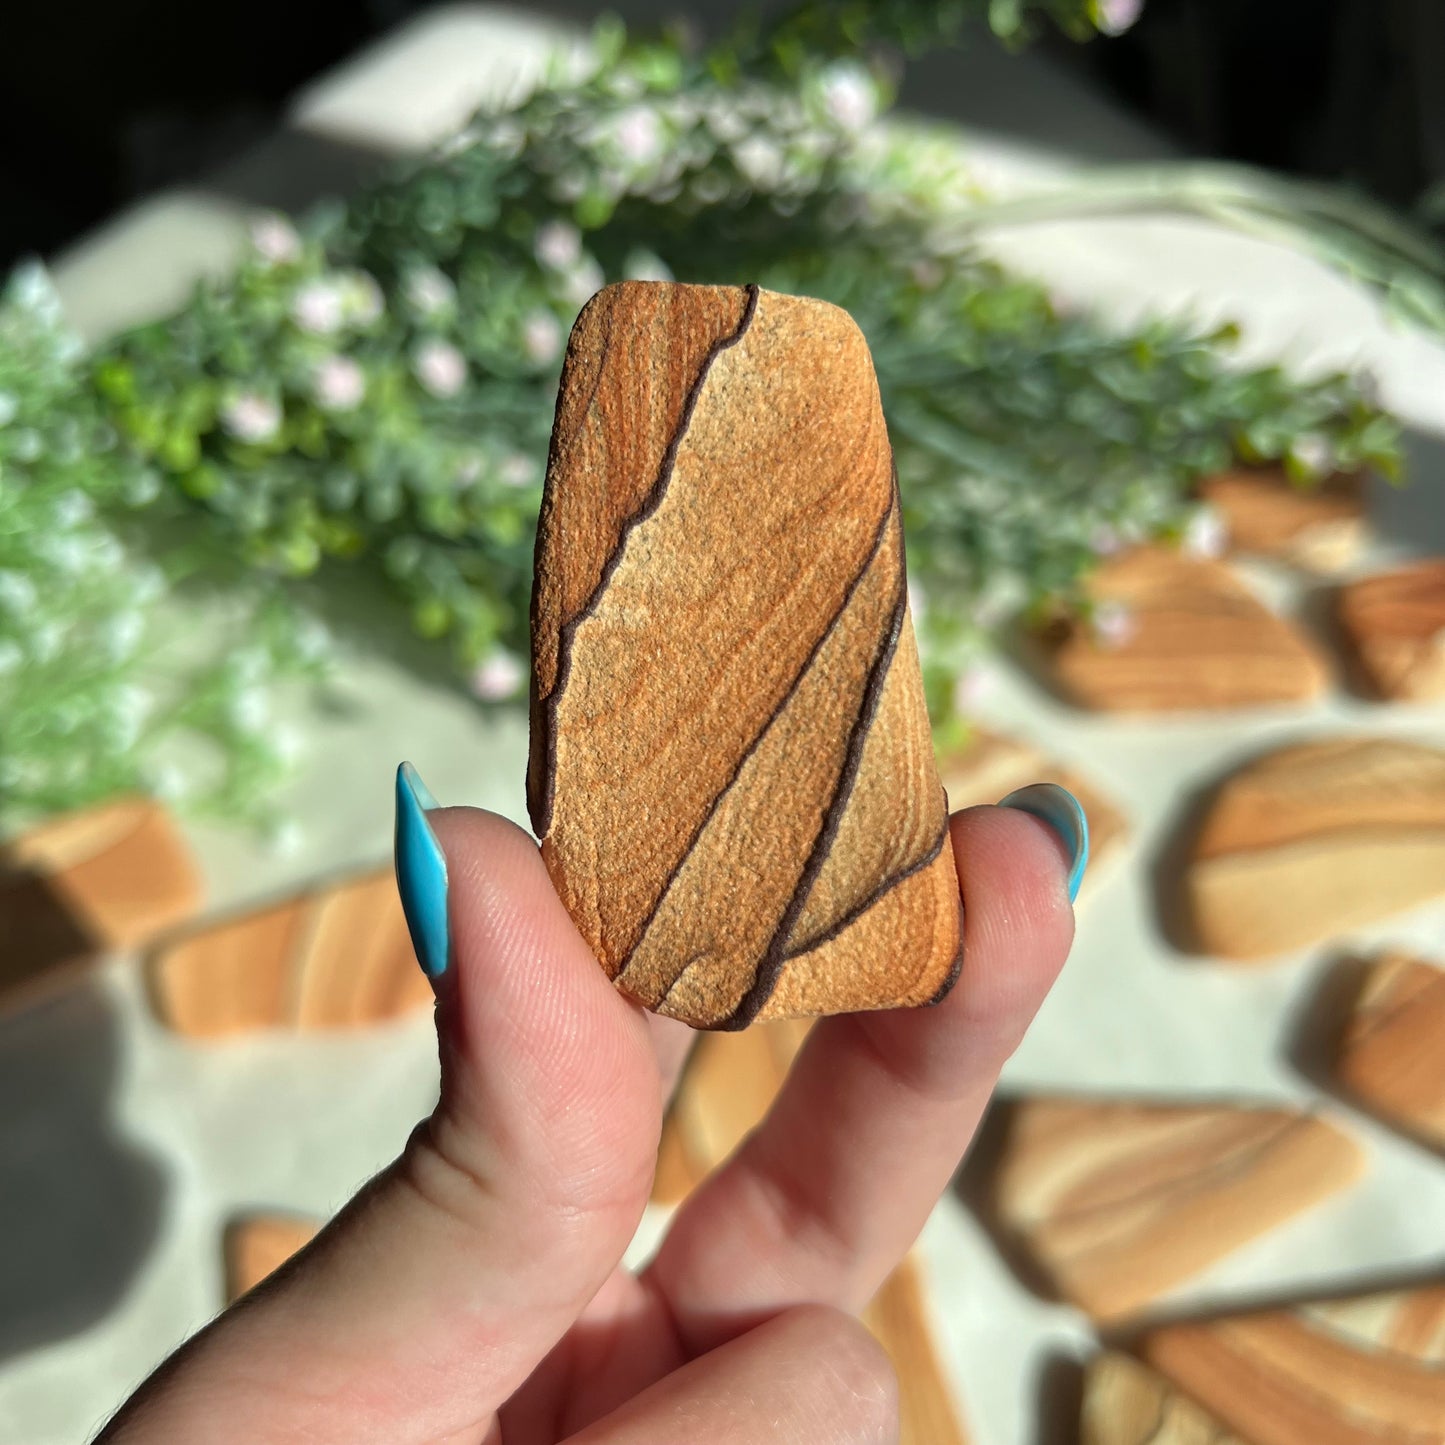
(473, 1292)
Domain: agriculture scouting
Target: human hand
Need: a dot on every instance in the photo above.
(473, 1291)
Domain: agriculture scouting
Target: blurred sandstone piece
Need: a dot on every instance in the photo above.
(731, 769)
(1391, 1054)
(107, 877)
(727, 1087)
(989, 766)
(899, 1318)
(1174, 633)
(1116, 1203)
(1394, 629)
(258, 1244)
(1319, 529)
(332, 957)
(1314, 839)
(1363, 1371)
(1126, 1403)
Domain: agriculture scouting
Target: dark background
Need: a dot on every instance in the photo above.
(103, 102)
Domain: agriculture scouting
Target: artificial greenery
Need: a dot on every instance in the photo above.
(374, 390)
(100, 691)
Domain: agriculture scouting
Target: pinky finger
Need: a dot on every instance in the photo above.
(809, 1376)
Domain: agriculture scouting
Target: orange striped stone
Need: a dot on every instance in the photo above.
(731, 769)
(1369, 1370)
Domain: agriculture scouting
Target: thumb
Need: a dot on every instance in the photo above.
(435, 1292)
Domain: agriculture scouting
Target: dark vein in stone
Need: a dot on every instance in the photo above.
(756, 741)
(542, 809)
(765, 979)
(885, 887)
(955, 968)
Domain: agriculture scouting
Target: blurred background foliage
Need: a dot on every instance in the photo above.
(371, 392)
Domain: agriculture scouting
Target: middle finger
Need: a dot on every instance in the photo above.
(824, 1198)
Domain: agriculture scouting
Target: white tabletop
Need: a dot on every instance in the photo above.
(137, 1147)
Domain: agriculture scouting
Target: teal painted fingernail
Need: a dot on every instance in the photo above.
(1063, 812)
(421, 874)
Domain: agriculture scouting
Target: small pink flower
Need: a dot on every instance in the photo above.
(318, 307)
(1106, 541)
(274, 239)
(644, 266)
(974, 687)
(541, 337)
(583, 282)
(558, 245)
(1206, 535)
(440, 368)
(497, 677)
(429, 290)
(638, 134)
(926, 272)
(849, 97)
(339, 384)
(363, 302)
(516, 470)
(1114, 17)
(760, 160)
(251, 417)
(1314, 454)
(1115, 625)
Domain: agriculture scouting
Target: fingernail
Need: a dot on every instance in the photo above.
(1063, 812)
(421, 873)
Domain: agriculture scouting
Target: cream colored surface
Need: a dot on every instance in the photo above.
(297, 1125)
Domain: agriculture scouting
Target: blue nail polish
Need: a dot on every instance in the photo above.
(421, 873)
(1062, 811)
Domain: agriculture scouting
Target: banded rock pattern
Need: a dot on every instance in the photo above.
(332, 957)
(729, 1084)
(1311, 840)
(1126, 1403)
(1362, 1371)
(1391, 1055)
(1193, 638)
(989, 766)
(1394, 627)
(898, 1317)
(1117, 1203)
(106, 877)
(259, 1244)
(731, 770)
(1318, 528)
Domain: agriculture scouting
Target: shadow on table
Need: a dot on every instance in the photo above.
(81, 1205)
(1129, 1335)
(1060, 1401)
(1317, 1029)
(1313, 1034)
(1413, 516)
(973, 1187)
(1169, 867)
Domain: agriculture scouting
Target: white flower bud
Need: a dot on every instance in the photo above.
(440, 368)
(339, 384)
(498, 677)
